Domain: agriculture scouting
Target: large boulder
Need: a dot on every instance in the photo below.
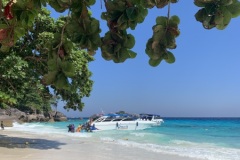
(16, 113)
(32, 118)
(36, 118)
(60, 119)
(42, 118)
(3, 112)
(57, 116)
(51, 120)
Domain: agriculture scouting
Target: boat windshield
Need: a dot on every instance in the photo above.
(157, 117)
(150, 116)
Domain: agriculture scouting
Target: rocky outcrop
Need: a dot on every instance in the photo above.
(7, 120)
(2, 112)
(58, 116)
(10, 115)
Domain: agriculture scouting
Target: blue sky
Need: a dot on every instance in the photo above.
(203, 82)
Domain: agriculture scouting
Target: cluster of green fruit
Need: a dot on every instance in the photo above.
(122, 14)
(116, 46)
(81, 27)
(157, 3)
(73, 5)
(217, 13)
(60, 66)
(164, 34)
(85, 32)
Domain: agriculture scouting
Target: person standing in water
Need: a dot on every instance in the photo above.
(2, 125)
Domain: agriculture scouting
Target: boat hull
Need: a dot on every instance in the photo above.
(124, 125)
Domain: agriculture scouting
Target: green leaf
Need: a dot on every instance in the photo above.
(149, 49)
(61, 81)
(227, 16)
(104, 16)
(175, 19)
(234, 9)
(94, 27)
(201, 15)
(52, 65)
(154, 62)
(129, 41)
(132, 24)
(218, 18)
(132, 13)
(207, 23)
(24, 18)
(31, 17)
(68, 69)
(226, 2)
(161, 20)
(3, 26)
(121, 56)
(117, 47)
(169, 57)
(132, 54)
(122, 19)
(50, 77)
(142, 14)
(54, 4)
(118, 37)
(158, 32)
(199, 3)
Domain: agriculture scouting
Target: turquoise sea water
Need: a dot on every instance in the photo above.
(206, 138)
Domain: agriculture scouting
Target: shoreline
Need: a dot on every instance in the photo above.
(25, 146)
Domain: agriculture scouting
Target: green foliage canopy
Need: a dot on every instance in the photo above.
(35, 68)
(17, 18)
(56, 53)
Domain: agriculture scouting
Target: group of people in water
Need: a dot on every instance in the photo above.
(81, 127)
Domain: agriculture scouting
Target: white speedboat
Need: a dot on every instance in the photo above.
(124, 121)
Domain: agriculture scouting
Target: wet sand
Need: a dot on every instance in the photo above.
(24, 146)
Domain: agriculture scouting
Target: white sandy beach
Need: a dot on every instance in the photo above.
(25, 146)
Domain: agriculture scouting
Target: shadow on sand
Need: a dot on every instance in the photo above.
(18, 142)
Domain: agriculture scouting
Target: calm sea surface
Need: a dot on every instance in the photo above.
(207, 138)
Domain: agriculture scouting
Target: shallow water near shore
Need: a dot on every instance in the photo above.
(205, 138)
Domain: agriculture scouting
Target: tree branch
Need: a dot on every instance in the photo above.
(38, 59)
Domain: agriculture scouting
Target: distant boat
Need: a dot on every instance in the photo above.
(115, 121)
